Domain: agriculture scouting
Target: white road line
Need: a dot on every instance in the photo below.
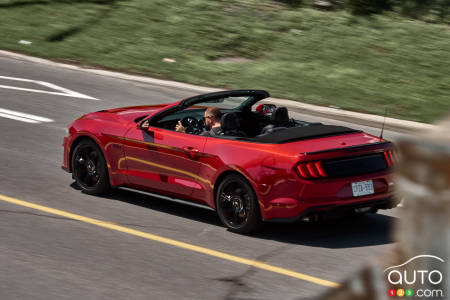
(70, 93)
(61, 91)
(16, 79)
(44, 92)
(19, 116)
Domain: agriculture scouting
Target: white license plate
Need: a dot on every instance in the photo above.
(362, 188)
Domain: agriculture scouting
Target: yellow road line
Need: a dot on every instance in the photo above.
(156, 238)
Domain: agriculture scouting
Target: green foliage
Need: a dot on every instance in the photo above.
(439, 9)
(324, 58)
(428, 10)
(415, 8)
(368, 7)
(292, 2)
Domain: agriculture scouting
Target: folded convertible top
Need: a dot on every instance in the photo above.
(303, 133)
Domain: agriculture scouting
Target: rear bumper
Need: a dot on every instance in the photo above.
(293, 199)
(336, 209)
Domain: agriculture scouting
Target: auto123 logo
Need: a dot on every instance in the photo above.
(418, 283)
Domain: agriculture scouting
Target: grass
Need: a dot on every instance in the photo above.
(325, 58)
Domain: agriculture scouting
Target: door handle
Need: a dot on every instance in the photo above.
(190, 149)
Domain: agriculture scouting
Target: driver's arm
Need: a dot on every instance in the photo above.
(179, 127)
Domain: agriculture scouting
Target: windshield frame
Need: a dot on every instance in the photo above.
(253, 97)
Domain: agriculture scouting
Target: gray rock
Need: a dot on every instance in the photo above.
(325, 5)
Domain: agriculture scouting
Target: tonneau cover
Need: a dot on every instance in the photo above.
(303, 133)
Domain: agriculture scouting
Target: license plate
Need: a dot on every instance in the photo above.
(362, 188)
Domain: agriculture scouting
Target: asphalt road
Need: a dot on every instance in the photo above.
(46, 256)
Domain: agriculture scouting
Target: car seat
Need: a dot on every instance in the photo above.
(279, 121)
(230, 125)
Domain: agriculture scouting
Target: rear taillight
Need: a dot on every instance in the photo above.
(390, 157)
(311, 170)
(302, 171)
(387, 159)
(320, 169)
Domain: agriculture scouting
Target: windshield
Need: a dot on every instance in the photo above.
(229, 103)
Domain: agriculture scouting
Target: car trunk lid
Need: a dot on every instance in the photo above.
(344, 156)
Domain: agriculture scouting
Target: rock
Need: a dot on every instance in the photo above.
(325, 5)
(169, 60)
(295, 31)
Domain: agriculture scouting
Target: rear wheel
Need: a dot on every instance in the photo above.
(89, 168)
(237, 205)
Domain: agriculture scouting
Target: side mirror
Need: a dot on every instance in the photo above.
(144, 125)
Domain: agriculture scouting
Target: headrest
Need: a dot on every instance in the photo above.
(280, 116)
(229, 121)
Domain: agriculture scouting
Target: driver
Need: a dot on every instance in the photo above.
(212, 122)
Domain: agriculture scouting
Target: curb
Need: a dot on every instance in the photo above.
(322, 111)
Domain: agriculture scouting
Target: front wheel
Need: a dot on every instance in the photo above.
(237, 205)
(89, 168)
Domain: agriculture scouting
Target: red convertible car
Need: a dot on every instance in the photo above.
(261, 165)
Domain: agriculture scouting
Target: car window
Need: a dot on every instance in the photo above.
(193, 111)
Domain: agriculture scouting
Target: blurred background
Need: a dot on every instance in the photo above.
(361, 55)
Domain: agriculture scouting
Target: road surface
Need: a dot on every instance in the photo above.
(50, 256)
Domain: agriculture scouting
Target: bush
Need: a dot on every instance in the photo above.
(436, 10)
(292, 2)
(420, 8)
(368, 7)
(415, 8)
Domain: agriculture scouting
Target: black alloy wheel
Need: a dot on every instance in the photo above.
(89, 168)
(237, 205)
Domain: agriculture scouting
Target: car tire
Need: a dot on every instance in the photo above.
(237, 205)
(89, 168)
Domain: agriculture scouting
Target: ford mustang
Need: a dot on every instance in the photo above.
(261, 166)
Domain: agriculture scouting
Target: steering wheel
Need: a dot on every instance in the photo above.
(191, 124)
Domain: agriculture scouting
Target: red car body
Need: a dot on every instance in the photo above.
(189, 167)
